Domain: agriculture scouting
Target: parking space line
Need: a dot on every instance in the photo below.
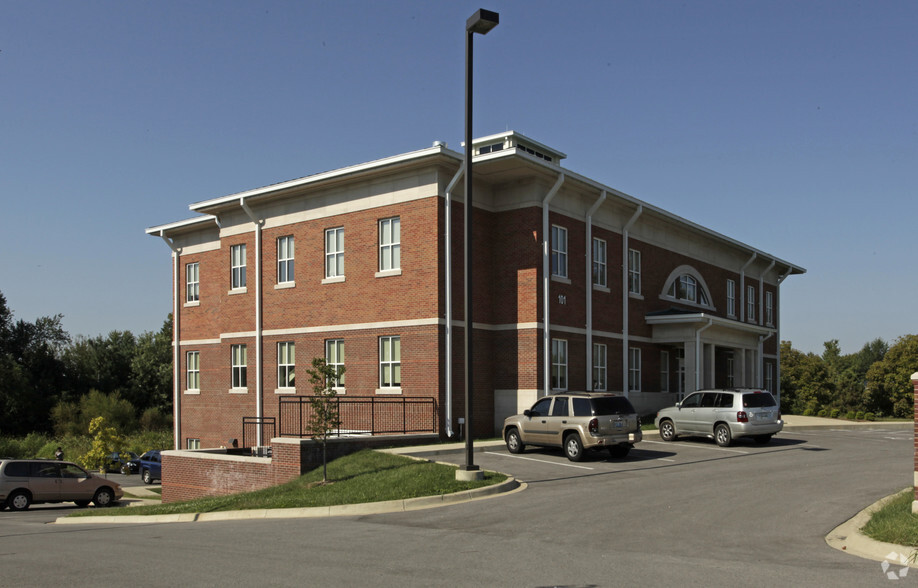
(569, 465)
(670, 443)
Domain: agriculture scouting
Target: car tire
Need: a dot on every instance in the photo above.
(104, 497)
(722, 435)
(514, 443)
(619, 451)
(19, 500)
(147, 476)
(762, 439)
(81, 503)
(573, 447)
(667, 430)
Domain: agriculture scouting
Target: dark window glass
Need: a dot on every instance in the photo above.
(758, 400)
(45, 470)
(708, 399)
(540, 408)
(582, 407)
(609, 405)
(724, 400)
(17, 469)
(560, 407)
(692, 401)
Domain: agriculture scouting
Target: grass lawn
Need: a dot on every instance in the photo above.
(366, 476)
(895, 523)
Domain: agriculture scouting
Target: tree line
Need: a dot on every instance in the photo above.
(876, 379)
(51, 382)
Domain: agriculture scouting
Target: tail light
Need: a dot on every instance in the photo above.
(742, 417)
(594, 426)
(779, 415)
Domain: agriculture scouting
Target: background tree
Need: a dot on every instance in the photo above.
(151, 370)
(325, 416)
(889, 380)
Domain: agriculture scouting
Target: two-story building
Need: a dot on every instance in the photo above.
(576, 286)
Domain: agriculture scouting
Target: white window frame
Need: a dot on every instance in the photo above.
(239, 364)
(600, 276)
(192, 443)
(285, 260)
(769, 309)
(558, 251)
(237, 267)
(750, 303)
(286, 365)
(634, 271)
(334, 253)
(390, 363)
(334, 358)
(192, 371)
(600, 368)
(634, 369)
(559, 364)
(192, 282)
(731, 369)
(664, 371)
(731, 298)
(390, 244)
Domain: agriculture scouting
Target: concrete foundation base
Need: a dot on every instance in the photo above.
(469, 475)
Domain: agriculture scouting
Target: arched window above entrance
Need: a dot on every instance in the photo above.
(686, 285)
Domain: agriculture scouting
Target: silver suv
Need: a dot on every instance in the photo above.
(723, 415)
(576, 421)
(27, 481)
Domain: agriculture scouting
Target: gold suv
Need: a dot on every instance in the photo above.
(576, 422)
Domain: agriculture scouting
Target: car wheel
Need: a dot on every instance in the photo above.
(573, 447)
(722, 435)
(81, 503)
(762, 439)
(619, 450)
(19, 500)
(104, 497)
(514, 443)
(147, 477)
(667, 430)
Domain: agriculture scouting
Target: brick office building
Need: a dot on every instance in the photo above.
(363, 266)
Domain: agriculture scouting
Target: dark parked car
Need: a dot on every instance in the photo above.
(151, 466)
(125, 462)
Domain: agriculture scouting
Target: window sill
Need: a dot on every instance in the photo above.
(335, 280)
(192, 304)
(388, 273)
(238, 390)
(193, 391)
(284, 285)
(635, 295)
(389, 391)
(561, 279)
(598, 288)
(285, 390)
(235, 291)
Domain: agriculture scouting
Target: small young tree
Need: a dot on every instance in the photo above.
(325, 417)
(106, 441)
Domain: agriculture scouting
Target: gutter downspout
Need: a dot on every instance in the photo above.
(589, 291)
(699, 353)
(546, 281)
(742, 288)
(176, 380)
(762, 292)
(778, 334)
(259, 326)
(626, 297)
(448, 410)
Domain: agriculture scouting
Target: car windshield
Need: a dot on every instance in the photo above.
(609, 405)
(758, 400)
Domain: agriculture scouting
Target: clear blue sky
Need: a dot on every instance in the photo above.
(790, 126)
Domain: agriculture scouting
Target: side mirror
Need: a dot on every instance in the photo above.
(527, 413)
(679, 405)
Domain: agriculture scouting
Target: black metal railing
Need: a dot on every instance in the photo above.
(362, 416)
(250, 426)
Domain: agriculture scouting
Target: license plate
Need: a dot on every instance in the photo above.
(619, 424)
(763, 416)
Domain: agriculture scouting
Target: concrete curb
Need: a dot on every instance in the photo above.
(508, 486)
(847, 537)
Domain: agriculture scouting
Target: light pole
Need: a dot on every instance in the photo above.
(481, 22)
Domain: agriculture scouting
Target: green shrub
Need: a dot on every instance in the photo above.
(822, 413)
(808, 412)
(835, 412)
(850, 416)
(860, 415)
(870, 416)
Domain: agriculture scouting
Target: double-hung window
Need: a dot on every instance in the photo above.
(285, 260)
(334, 358)
(286, 362)
(750, 303)
(634, 369)
(769, 309)
(599, 367)
(192, 282)
(390, 247)
(558, 251)
(559, 364)
(634, 271)
(193, 370)
(664, 371)
(731, 298)
(599, 263)
(240, 366)
(334, 253)
(390, 362)
(237, 266)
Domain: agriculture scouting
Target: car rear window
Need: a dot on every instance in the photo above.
(758, 400)
(609, 405)
(17, 469)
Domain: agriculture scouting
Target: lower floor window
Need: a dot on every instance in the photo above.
(240, 366)
(558, 364)
(193, 443)
(634, 370)
(390, 362)
(599, 367)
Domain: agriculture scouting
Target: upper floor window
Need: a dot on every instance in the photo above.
(285, 260)
(192, 282)
(750, 303)
(599, 263)
(558, 251)
(559, 364)
(390, 362)
(687, 287)
(240, 366)
(731, 298)
(334, 252)
(286, 362)
(634, 271)
(390, 247)
(769, 309)
(237, 266)
(334, 358)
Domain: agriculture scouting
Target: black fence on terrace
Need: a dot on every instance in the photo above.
(362, 416)
(250, 429)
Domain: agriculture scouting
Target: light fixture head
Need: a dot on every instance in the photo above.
(482, 21)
